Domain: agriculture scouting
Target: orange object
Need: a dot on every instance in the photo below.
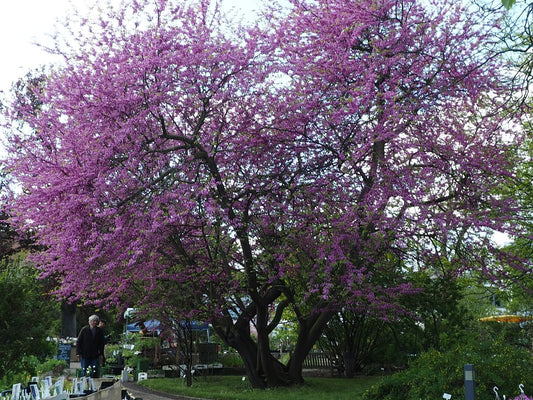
(507, 318)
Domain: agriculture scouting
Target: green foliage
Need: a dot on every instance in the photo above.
(434, 318)
(27, 321)
(441, 318)
(231, 360)
(134, 352)
(496, 363)
(285, 358)
(139, 343)
(147, 342)
(51, 367)
(7, 381)
(10, 378)
(519, 284)
(136, 360)
(135, 355)
(31, 366)
(508, 4)
(285, 335)
(112, 351)
(359, 334)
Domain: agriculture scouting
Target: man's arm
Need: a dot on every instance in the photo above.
(79, 343)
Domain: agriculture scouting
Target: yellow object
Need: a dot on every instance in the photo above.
(506, 318)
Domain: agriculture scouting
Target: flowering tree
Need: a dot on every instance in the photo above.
(296, 166)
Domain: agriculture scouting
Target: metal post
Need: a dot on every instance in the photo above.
(470, 387)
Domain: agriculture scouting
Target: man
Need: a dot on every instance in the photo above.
(102, 325)
(90, 347)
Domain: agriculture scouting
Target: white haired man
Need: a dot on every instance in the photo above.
(90, 347)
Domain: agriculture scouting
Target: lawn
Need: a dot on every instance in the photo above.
(238, 388)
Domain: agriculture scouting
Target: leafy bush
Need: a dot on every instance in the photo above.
(26, 317)
(51, 367)
(231, 360)
(112, 352)
(10, 377)
(496, 363)
(32, 367)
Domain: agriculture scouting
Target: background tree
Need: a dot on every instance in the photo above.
(27, 320)
(352, 339)
(435, 318)
(177, 316)
(264, 169)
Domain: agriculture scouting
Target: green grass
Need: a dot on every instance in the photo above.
(235, 388)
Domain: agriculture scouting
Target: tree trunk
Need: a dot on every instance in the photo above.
(185, 340)
(311, 327)
(68, 320)
(262, 368)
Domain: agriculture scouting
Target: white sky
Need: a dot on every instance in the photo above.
(23, 22)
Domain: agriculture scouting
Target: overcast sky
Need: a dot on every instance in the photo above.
(22, 22)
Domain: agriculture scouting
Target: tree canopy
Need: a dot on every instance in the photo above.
(294, 163)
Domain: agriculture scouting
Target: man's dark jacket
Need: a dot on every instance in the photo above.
(89, 346)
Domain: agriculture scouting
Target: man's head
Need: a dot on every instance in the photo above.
(93, 320)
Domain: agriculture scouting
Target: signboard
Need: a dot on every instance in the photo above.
(63, 352)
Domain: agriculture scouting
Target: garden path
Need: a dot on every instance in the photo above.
(138, 392)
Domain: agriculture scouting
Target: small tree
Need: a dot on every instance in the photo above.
(177, 316)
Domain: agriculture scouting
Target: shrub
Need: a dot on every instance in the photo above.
(32, 367)
(231, 360)
(51, 367)
(10, 377)
(496, 363)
